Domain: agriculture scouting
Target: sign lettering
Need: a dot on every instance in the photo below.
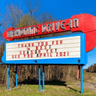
(41, 49)
(40, 29)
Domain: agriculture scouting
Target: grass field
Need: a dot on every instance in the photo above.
(50, 90)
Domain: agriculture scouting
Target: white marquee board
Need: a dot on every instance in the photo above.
(66, 47)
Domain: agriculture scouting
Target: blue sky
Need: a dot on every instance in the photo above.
(60, 9)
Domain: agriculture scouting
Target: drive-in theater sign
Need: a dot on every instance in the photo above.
(69, 49)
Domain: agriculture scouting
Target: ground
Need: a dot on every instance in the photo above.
(70, 88)
(76, 84)
(60, 88)
(50, 90)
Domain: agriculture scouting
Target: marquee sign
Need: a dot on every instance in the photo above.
(54, 50)
(71, 49)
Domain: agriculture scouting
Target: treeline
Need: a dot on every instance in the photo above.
(91, 68)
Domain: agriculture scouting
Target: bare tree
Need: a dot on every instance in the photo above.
(27, 20)
(16, 18)
(45, 17)
(32, 5)
(12, 17)
(1, 34)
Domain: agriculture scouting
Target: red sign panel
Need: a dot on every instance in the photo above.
(85, 23)
(40, 29)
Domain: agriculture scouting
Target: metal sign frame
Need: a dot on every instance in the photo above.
(81, 60)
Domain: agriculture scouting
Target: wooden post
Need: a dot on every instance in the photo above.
(7, 77)
(39, 80)
(16, 77)
(81, 79)
(43, 78)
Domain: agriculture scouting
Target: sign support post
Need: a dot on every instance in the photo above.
(16, 77)
(39, 79)
(81, 79)
(7, 77)
(43, 78)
